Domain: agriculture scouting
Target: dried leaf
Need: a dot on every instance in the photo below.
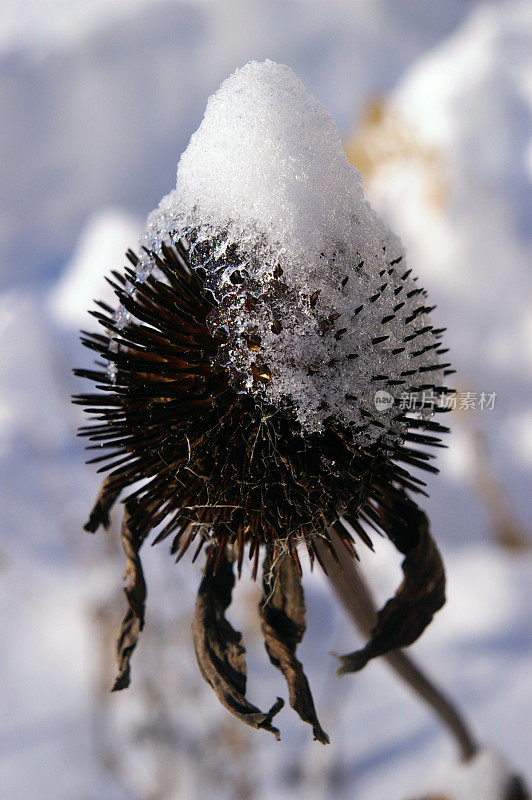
(404, 618)
(135, 592)
(107, 496)
(282, 613)
(220, 654)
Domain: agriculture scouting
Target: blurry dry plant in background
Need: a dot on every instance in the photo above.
(506, 529)
(385, 140)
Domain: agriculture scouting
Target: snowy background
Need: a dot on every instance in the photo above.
(97, 102)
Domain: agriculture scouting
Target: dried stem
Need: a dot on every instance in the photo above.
(355, 596)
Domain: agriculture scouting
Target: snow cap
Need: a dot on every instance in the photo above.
(307, 276)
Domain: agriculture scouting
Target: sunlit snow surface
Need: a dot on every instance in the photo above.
(62, 736)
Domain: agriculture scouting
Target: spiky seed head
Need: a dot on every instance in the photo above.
(250, 377)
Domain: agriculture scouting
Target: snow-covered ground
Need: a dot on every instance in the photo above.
(98, 101)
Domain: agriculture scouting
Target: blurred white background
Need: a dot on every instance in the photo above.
(97, 102)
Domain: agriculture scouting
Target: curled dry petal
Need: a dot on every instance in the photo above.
(282, 613)
(219, 651)
(135, 591)
(404, 618)
(107, 496)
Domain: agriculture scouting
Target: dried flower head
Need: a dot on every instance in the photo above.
(250, 394)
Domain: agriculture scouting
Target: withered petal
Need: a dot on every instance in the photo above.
(282, 614)
(219, 651)
(404, 618)
(107, 496)
(135, 592)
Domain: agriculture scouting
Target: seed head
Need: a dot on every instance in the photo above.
(249, 397)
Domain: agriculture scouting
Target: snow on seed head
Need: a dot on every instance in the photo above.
(317, 309)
